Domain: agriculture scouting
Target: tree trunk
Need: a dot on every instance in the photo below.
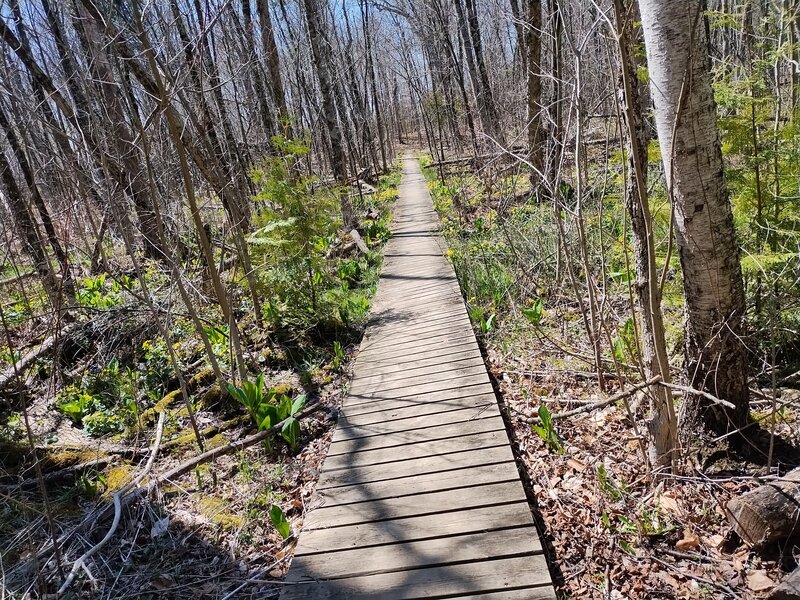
(44, 214)
(521, 49)
(533, 45)
(272, 57)
(769, 513)
(685, 115)
(29, 232)
(493, 126)
(322, 65)
(258, 81)
(121, 136)
(662, 424)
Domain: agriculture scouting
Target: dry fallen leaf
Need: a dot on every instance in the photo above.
(758, 581)
(668, 504)
(575, 464)
(690, 541)
(714, 541)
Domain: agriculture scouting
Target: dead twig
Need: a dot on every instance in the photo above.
(81, 562)
(691, 390)
(611, 400)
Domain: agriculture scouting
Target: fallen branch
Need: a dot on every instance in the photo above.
(10, 374)
(81, 562)
(691, 390)
(179, 470)
(58, 475)
(208, 432)
(615, 398)
(241, 444)
(15, 278)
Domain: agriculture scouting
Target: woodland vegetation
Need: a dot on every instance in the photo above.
(194, 199)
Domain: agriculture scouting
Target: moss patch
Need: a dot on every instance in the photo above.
(204, 377)
(117, 478)
(216, 510)
(217, 441)
(283, 389)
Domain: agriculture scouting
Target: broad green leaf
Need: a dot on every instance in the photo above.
(291, 432)
(298, 404)
(534, 313)
(279, 521)
(284, 408)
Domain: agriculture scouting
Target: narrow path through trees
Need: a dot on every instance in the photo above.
(419, 496)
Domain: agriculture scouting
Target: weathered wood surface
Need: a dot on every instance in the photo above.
(768, 514)
(419, 496)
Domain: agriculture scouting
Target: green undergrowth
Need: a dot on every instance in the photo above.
(504, 244)
(315, 286)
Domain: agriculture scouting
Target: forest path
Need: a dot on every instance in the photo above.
(419, 496)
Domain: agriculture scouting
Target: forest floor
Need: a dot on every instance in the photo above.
(610, 533)
(207, 533)
(96, 410)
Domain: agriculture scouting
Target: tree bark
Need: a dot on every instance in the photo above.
(29, 232)
(662, 423)
(272, 57)
(44, 214)
(265, 110)
(769, 513)
(685, 116)
(121, 137)
(322, 64)
(493, 126)
(533, 46)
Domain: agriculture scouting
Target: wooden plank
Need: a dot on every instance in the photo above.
(528, 572)
(423, 368)
(413, 323)
(438, 336)
(420, 504)
(397, 557)
(422, 345)
(397, 316)
(365, 362)
(480, 403)
(452, 385)
(420, 466)
(458, 397)
(420, 383)
(471, 520)
(419, 484)
(539, 593)
(346, 431)
(425, 360)
(400, 439)
(396, 336)
(387, 456)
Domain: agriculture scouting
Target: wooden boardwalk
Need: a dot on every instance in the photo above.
(419, 496)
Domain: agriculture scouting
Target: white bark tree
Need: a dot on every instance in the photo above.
(685, 114)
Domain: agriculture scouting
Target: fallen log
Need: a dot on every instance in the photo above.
(17, 278)
(11, 373)
(768, 514)
(59, 475)
(789, 588)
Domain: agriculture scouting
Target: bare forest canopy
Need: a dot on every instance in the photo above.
(194, 200)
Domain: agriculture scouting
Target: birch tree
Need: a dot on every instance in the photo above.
(685, 116)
